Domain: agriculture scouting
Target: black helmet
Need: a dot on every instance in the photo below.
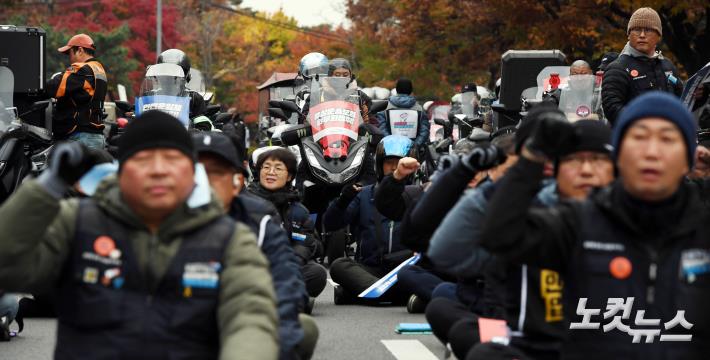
(339, 63)
(177, 57)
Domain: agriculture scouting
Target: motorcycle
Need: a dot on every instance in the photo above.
(335, 146)
(24, 148)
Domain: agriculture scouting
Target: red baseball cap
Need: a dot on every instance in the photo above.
(81, 40)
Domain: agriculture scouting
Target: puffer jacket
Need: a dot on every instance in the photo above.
(406, 102)
(296, 219)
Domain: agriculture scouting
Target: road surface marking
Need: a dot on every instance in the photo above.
(408, 350)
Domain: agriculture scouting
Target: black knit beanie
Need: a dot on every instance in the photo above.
(404, 86)
(154, 129)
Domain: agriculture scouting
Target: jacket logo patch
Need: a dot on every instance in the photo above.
(694, 262)
(634, 73)
(603, 246)
(203, 275)
(104, 245)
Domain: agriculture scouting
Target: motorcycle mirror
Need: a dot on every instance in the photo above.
(290, 106)
(211, 110)
(293, 135)
(442, 122)
(278, 113)
(124, 106)
(40, 105)
(378, 106)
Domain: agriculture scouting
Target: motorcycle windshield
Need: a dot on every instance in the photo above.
(577, 99)
(7, 85)
(164, 89)
(334, 114)
(469, 102)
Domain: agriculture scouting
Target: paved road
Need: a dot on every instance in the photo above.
(346, 332)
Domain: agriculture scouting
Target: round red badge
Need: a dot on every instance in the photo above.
(620, 267)
(104, 245)
(634, 73)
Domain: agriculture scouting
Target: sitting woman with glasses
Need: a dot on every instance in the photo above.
(276, 170)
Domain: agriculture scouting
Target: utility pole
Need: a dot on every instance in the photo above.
(159, 27)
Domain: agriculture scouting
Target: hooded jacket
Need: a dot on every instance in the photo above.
(406, 102)
(40, 231)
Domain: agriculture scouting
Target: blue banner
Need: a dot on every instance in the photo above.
(381, 286)
(177, 106)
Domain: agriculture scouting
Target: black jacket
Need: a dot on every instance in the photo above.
(295, 219)
(665, 246)
(80, 94)
(630, 76)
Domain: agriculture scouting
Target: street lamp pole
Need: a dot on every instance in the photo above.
(159, 27)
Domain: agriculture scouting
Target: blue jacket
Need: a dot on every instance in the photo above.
(406, 102)
(360, 215)
(264, 220)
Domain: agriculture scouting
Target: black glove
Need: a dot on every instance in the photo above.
(484, 158)
(347, 195)
(553, 135)
(68, 163)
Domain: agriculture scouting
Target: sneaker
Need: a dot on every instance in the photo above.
(342, 297)
(4, 329)
(415, 305)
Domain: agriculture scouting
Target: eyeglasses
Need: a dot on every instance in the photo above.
(275, 169)
(579, 160)
(639, 30)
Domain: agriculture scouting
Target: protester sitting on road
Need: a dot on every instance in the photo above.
(423, 214)
(138, 270)
(378, 237)
(538, 327)
(642, 241)
(225, 169)
(275, 170)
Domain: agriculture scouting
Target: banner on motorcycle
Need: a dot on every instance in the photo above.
(177, 106)
(334, 123)
(404, 122)
(381, 286)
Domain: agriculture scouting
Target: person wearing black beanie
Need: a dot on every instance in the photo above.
(145, 242)
(404, 86)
